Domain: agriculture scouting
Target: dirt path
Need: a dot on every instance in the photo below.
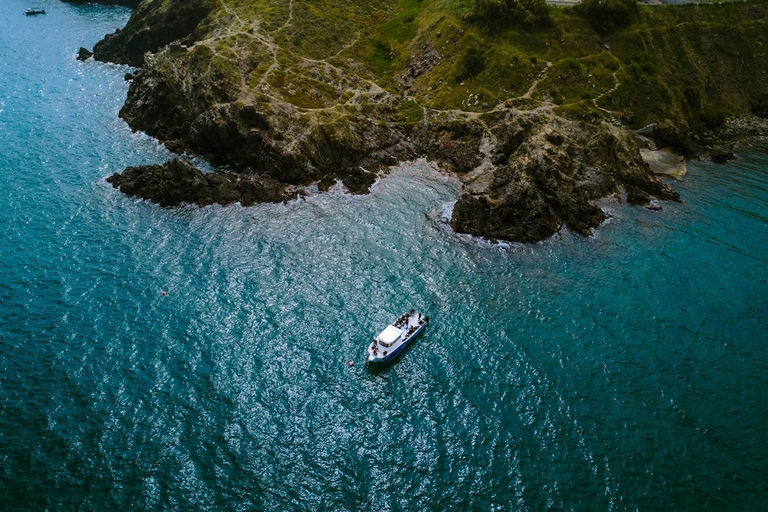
(368, 87)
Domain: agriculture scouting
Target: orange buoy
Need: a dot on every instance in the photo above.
(164, 294)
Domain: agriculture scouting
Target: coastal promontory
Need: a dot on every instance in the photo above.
(534, 107)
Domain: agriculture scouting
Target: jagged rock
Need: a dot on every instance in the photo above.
(358, 181)
(721, 156)
(177, 181)
(550, 182)
(637, 196)
(422, 62)
(129, 77)
(84, 54)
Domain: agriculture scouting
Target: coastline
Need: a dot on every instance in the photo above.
(527, 172)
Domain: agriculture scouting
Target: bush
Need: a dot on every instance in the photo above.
(606, 16)
(570, 65)
(713, 118)
(472, 64)
(497, 15)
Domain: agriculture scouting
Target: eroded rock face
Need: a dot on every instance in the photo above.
(177, 181)
(153, 25)
(547, 177)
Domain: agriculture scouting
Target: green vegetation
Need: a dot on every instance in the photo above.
(472, 64)
(691, 64)
(498, 15)
(608, 15)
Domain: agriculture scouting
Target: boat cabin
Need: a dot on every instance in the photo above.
(389, 336)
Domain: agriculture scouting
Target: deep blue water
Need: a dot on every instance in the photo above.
(627, 371)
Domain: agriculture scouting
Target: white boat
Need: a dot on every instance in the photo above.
(392, 340)
(34, 10)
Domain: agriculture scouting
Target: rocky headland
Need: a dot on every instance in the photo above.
(537, 123)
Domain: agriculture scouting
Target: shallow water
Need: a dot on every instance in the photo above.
(626, 371)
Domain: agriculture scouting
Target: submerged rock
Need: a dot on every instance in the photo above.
(177, 181)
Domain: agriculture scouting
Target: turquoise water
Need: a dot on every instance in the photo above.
(628, 371)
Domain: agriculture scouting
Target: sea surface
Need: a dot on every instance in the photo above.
(625, 371)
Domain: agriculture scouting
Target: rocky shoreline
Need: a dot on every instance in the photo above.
(526, 173)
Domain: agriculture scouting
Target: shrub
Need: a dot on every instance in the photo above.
(606, 16)
(472, 64)
(570, 65)
(497, 15)
(713, 118)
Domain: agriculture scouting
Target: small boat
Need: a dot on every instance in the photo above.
(392, 340)
(34, 10)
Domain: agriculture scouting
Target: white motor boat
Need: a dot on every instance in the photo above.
(392, 340)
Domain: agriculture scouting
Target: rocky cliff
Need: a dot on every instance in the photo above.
(154, 24)
(292, 94)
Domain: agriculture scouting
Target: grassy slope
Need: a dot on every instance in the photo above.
(329, 57)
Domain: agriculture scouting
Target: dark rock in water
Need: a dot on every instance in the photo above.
(637, 196)
(358, 181)
(150, 28)
(720, 156)
(84, 54)
(325, 183)
(129, 77)
(177, 181)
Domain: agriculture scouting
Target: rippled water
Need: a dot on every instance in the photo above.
(627, 371)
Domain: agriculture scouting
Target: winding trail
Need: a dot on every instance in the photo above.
(366, 87)
(289, 21)
(616, 85)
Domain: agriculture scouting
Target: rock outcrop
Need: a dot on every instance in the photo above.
(154, 24)
(84, 54)
(549, 171)
(177, 182)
